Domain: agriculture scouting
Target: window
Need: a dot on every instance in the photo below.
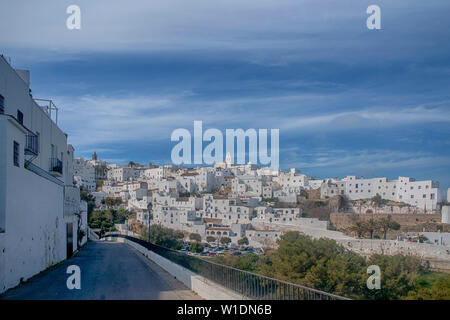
(20, 117)
(16, 154)
(2, 104)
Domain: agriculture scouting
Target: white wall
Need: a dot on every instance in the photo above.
(35, 234)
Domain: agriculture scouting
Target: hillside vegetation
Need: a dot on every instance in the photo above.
(323, 264)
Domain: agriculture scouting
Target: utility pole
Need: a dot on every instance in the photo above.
(148, 231)
(148, 227)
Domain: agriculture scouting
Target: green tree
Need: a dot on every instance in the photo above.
(225, 241)
(210, 239)
(397, 276)
(359, 228)
(371, 226)
(243, 241)
(102, 219)
(196, 247)
(195, 236)
(321, 264)
(112, 202)
(85, 195)
(431, 286)
(325, 265)
(248, 262)
(387, 224)
(121, 215)
(165, 237)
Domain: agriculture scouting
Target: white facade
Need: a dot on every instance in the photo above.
(121, 174)
(422, 194)
(84, 174)
(445, 214)
(34, 170)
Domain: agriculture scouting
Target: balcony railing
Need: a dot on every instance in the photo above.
(32, 144)
(56, 166)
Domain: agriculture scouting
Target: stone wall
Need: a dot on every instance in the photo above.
(408, 222)
(368, 208)
(437, 256)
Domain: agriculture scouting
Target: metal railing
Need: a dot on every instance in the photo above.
(49, 108)
(32, 144)
(248, 284)
(56, 165)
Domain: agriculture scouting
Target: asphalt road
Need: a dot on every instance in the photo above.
(108, 271)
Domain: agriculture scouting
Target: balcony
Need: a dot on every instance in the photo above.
(56, 167)
(32, 144)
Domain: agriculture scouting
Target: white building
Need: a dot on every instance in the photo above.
(439, 238)
(121, 174)
(422, 194)
(84, 174)
(154, 173)
(36, 221)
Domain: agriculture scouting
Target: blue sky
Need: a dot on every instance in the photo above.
(347, 100)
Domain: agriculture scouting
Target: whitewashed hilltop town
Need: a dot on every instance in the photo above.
(256, 204)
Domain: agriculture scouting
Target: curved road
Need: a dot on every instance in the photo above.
(108, 271)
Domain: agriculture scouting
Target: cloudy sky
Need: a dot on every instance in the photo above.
(347, 100)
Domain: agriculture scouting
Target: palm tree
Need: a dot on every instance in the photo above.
(371, 226)
(359, 228)
(387, 224)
